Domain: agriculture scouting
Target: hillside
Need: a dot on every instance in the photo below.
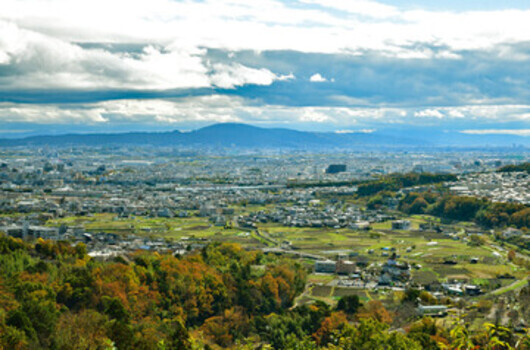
(247, 136)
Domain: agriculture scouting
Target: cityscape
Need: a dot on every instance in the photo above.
(264, 175)
(316, 209)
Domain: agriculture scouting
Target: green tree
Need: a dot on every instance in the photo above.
(349, 304)
(372, 335)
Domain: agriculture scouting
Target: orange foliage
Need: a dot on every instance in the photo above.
(374, 309)
(41, 278)
(221, 329)
(7, 299)
(121, 281)
(85, 330)
(195, 286)
(334, 322)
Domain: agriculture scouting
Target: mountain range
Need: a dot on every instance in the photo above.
(234, 135)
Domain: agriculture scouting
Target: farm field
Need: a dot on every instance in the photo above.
(426, 249)
(167, 228)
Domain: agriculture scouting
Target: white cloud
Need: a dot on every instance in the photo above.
(310, 114)
(317, 78)
(41, 61)
(49, 114)
(360, 131)
(429, 113)
(331, 26)
(215, 108)
(286, 77)
(518, 132)
(222, 108)
(490, 113)
(43, 45)
(500, 113)
(360, 7)
(230, 76)
(455, 113)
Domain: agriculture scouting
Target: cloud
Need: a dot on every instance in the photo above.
(317, 78)
(162, 60)
(330, 26)
(201, 110)
(430, 113)
(32, 60)
(230, 76)
(361, 131)
(211, 108)
(360, 7)
(286, 77)
(497, 113)
(519, 132)
(314, 115)
(50, 114)
(215, 108)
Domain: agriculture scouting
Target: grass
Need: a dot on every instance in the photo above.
(321, 241)
(511, 287)
(320, 278)
(321, 291)
(169, 228)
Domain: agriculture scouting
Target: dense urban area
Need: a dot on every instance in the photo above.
(162, 248)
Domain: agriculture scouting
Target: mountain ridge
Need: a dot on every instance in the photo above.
(241, 135)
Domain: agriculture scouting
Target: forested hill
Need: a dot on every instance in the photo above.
(515, 168)
(54, 296)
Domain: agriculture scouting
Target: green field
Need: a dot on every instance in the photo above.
(426, 249)
(168, 228)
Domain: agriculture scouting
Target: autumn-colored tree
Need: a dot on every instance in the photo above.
(195, 286)
(370, 334)
(58, 297)
(11, 337)
(374, 309)
(329, 327)
(459, 337)
(79, 331)
(222, 330)
(427, 298)
(521, 218)
(427, 333)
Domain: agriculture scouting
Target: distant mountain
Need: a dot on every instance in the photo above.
(247, 136)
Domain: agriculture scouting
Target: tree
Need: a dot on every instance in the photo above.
(418, 206)
(521, 218)
(370, 334)
(411, 295)
(11, 337)
(375, 310)
(461, 339)
(329, 326)
(426, 333)
(224, 329)
(84, 330)
(476, 240)
(349, 304)
(498, 337)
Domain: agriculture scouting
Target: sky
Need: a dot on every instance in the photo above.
(322, 65)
